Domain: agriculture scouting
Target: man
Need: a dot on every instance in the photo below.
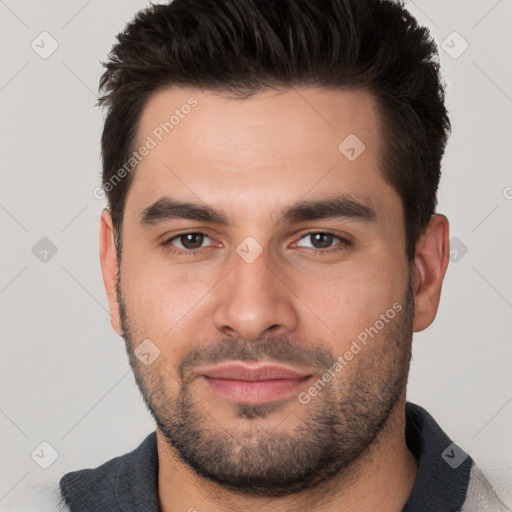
(269, 247)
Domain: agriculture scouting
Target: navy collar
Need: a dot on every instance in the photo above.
(128, 483)
(441, 483)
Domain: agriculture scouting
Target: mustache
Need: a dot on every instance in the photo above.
(272, 349)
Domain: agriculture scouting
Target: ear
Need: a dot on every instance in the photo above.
(109, 268)
(430, 264)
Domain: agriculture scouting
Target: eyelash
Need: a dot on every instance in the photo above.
(195, 252)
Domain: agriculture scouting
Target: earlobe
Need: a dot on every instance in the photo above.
(430, 264)
(109, 268)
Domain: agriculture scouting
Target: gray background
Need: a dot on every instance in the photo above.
(65, 378)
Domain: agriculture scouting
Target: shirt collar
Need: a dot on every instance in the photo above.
(443, 467)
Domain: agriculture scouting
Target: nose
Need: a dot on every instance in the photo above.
(254, 300)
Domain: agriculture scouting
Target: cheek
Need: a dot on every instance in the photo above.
(163, 303)
(352, 300)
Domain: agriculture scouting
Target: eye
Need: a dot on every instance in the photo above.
(186, 242)
(321, 241)
(192, 243)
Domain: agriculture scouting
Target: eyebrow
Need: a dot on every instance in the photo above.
(332, 207)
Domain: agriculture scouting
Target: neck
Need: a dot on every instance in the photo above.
(381, 479)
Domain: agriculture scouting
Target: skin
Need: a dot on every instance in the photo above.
(251, 159)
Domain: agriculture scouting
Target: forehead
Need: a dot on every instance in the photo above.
(260, 151)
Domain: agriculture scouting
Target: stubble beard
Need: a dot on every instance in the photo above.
(334, 429)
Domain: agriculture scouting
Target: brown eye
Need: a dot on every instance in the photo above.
(321, 240)
(192, 240)
(187, 242)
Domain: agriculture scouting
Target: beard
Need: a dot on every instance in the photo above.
(335, 428)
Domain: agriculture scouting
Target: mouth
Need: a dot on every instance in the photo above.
(253, 384)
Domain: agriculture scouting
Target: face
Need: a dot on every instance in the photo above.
(264, 263)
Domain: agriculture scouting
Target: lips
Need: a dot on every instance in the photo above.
(253, 383)
(252, 374)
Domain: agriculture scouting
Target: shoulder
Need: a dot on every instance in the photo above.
(43, 497)
(91, 488)
(481, 495)
(127, 482)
